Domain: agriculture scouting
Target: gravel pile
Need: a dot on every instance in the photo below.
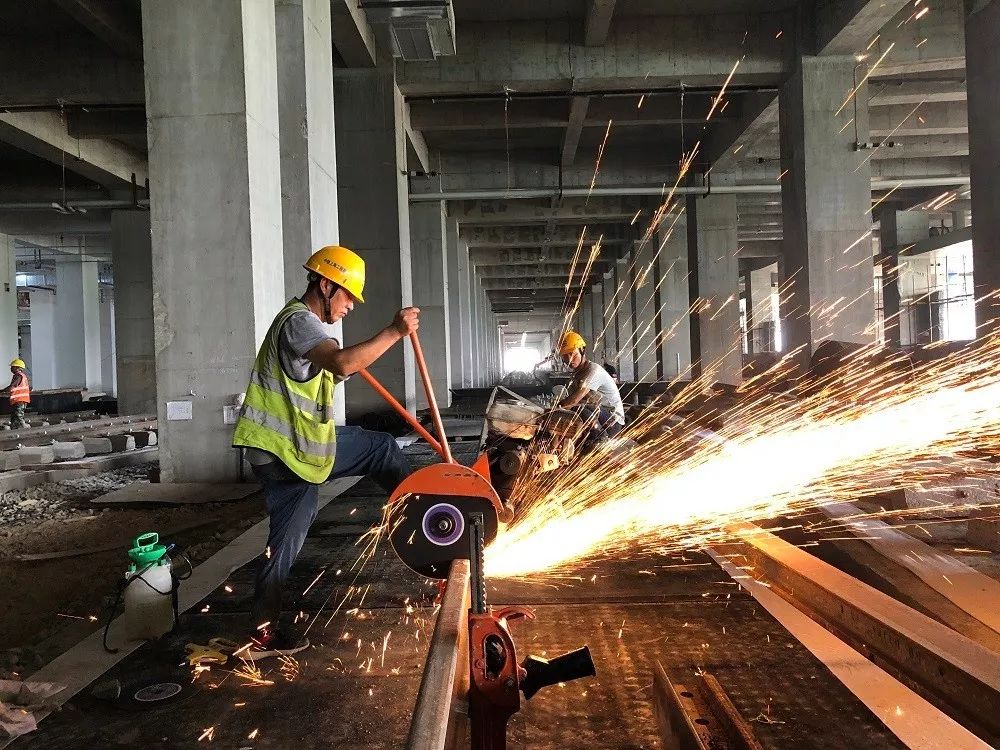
(60, 500)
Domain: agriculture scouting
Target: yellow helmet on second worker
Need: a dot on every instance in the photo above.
(341, 266)
(17, 362)
(570, 341)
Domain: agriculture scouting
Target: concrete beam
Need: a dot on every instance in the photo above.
(529, 257)
(550, 284)
(892, 93)
(906, 147)
(598, 22)
(933, 44)
(534, 236)
(640, 54)
(845, 27)
(353, 38)
(415, 142)
(106, 123)
(542, 270)
(44, 134)
(760, 249)
(111, 22)
(70, 71)
(569, 211)
(753, 131)
(574, 128)
(896, 121)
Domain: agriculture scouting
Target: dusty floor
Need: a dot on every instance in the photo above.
(46, 606)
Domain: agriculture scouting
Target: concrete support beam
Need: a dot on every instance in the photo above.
(897, 230)
(8, 299)
(595, 210)
(644, 296)
(982, 33)
(432, 293)
(132, 254)
(674, 331)
(623, 309)
(78, 329)
(599, 330)
(609, 323)
(457, 260)
(898, 120)
(41, 359)
(649, 52)
(544, 283)
(462, 316)
(44, 134)
(106, 315)
(540, 270)
(352, 36)
(309, 216)
(574, 128)
(508, 237)
(585, 318)
(218, 271)
(713, 279)
(942, 55)
(912, 93)
(475, 318)
(826, 196)
(113, 23)
(598, 22)
(845, 27)
(106, 123)
(484, 257)
(374, 216)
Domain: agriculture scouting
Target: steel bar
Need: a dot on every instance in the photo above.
(946, 667)
(440, 715)
(425, 376)
(402, 412)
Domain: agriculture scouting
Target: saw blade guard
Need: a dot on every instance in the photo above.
(429, 516)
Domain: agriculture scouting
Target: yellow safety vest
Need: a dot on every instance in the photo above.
(280, 415)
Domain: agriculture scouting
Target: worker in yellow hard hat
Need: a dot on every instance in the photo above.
(592, 391)
(286, 423)
(19, 393)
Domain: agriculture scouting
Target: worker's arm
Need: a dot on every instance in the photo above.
(346, 361)
(575, 397)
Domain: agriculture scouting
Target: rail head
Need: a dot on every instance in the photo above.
(445, 684)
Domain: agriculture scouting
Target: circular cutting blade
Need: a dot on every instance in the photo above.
(429, 519)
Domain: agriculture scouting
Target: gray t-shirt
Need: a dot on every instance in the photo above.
(595, 378)
(302, 332)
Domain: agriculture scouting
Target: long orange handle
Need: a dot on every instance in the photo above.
(418, 353)
(401, 410)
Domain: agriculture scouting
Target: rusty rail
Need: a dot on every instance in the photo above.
(440, 716)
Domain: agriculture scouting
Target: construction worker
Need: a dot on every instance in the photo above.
(19, 392)
(592, 391)
(286, 423)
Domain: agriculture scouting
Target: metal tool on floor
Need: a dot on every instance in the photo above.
(216, 651)
(447, 512)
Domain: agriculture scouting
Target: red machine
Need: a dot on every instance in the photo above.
(446, 512)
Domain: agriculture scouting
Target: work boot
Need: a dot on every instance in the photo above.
(273, 642)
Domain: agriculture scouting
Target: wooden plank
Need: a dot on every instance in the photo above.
(975, 593)
(444, 687)
(915, 721)
(946, 666)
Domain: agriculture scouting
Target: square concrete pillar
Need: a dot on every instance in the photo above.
(759, 275)
(475, 331)
(309, 217)
(897, 230)
(431, 292)
(464, 312)
(982, 63)
(41, 359)
(596, 340)
(78, 329)
(674, 333)
(609, 343)
(132, 255)
(713, 281)
(375, 219)
(218, 270)
(8, 299)
(457, 306)
(645, 275)
(825, 201)
(106, 307)
(623, 310)
(585, 317)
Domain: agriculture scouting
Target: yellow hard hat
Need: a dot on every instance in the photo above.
(18, 362)
(341, 266)
(570, 341)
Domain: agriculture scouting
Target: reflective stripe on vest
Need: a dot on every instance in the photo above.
(21, 393)
(292, 420)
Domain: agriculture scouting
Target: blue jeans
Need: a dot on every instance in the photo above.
(292, 505)
(602, 421)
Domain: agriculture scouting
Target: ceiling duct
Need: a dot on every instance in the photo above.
(418, 30)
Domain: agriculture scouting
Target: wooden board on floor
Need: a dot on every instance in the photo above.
(177, 493)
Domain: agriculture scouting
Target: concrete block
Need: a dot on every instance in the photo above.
(96, 446)
(10, 460)
(984, 529)
(144, 438)
(36, 454)
(122, 442)
(69, 450)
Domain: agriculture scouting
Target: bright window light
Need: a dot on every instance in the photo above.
(521, 359)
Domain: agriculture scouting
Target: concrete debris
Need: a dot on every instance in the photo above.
(63, 500)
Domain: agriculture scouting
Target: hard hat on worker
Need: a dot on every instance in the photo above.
(17, 362)
(343, 267)
(571, 341)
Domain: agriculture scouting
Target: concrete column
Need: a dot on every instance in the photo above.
(825, 197)
(623, 316)
(42, 356)
(674, 334)
(585, 316)
(713, 280)
(897, 229)
(431, 292)
(457, 308)
(8, 300)
(465, 311)
(108, 359)
(132, 256)
(596, 340)
(609, 345)
(475, 373)
(982, 39)
(759, 277)
(218, 270)
(308, 145)
(374, 217)
(78, 329)
(644, 295)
